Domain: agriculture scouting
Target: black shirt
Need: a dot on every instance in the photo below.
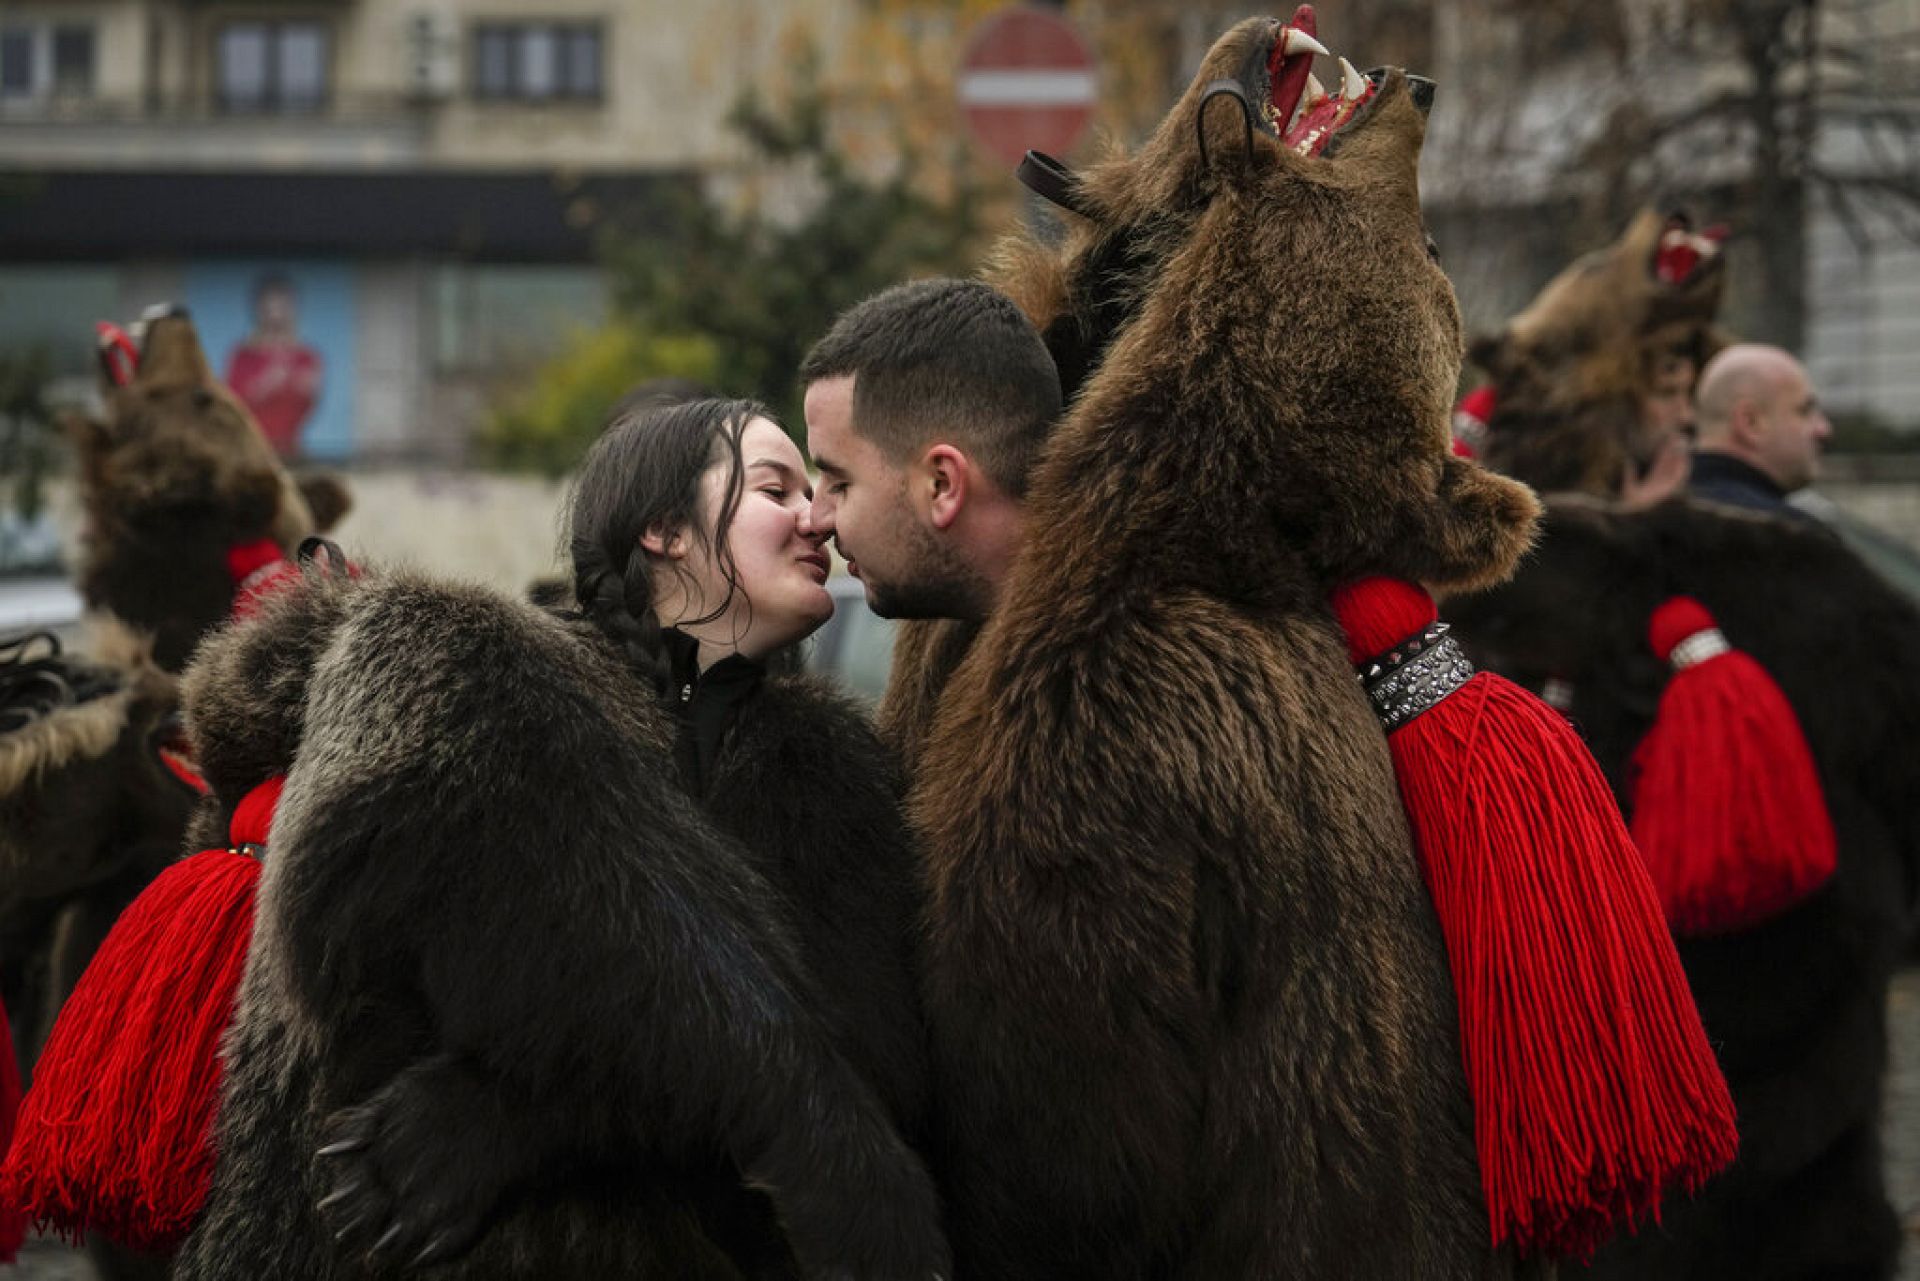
(1722, 478)
(704, 703)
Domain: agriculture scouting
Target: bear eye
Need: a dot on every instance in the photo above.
(1433, 250)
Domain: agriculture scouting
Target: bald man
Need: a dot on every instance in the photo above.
(1760, 429)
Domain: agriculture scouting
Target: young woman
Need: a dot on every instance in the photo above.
(700, 510)
(582, 941)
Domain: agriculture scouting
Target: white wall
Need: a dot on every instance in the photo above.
(501, 530)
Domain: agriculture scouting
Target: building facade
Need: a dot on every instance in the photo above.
(376, 209)
(408, 193)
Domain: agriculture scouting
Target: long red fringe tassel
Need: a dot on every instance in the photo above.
(13, 1221)
(1727, 805)
(116, 1132)
(1595, 1092)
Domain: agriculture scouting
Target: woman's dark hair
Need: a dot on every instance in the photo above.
(644, 472)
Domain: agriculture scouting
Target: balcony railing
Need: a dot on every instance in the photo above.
(364, 131)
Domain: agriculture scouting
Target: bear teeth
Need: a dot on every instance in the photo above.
(1294, 41)
(1352, 84)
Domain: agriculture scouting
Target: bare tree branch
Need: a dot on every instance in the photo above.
(1840, 201)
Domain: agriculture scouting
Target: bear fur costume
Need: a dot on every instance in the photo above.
(84, 796)
(174, 475)
(1568, 373)
(496, 939)
(1192, 1016)
(1795, 1008)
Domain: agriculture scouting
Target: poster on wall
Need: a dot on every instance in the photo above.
(280, 333)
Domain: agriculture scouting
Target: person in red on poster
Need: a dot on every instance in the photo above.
(273, 371)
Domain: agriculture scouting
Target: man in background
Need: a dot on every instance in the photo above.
(1760, 430)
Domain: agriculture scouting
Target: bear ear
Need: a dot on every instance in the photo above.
(1224, 136)
(328, 498)
(1479, 525)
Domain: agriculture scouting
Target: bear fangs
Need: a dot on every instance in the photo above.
(1293, 40)
(1352, 84)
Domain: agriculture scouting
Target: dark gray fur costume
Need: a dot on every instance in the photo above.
(1796, 1007)
(490, 915)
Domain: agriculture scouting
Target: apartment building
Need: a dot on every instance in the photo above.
(415, 187)
(404, 192)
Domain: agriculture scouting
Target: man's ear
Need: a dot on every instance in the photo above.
(660, 541)
(949, 481)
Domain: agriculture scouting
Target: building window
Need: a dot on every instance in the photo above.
(46, 61)
(16, 62)
(73, 61)
(538, 61)
(272, 67)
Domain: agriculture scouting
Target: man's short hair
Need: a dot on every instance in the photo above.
(946, 359)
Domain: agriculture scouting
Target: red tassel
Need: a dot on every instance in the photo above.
(116, 1132)
(258, 570)
(1594, 1089)
(1471, 419)
(13, 1222)
(1727, 806)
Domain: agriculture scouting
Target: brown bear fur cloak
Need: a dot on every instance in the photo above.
(174, 475)
(1795, 1008)
(551, 1002)
(1191, 1011)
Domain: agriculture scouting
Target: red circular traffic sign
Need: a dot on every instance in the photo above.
(1027, 81)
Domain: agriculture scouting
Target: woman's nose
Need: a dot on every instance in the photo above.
(804, 519)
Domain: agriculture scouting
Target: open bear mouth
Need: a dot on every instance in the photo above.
(1683, 256)
(1295, 108)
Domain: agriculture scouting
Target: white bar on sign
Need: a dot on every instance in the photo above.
(1026, 89)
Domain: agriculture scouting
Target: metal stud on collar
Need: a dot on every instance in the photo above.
(1415, 675)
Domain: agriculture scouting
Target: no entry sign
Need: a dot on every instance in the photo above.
(1027, 81)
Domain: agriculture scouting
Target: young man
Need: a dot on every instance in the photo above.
(926, 406)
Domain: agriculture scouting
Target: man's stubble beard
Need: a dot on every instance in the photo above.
(934, 583)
